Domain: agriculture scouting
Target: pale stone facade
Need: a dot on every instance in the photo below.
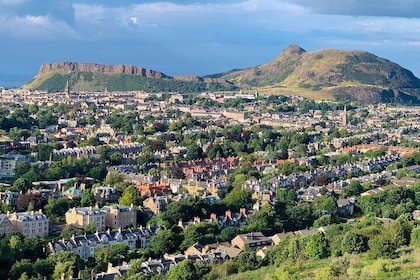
(119, 216)
(6, 225)
(83, 216)
(30, 223)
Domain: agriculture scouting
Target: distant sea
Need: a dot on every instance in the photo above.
(14, 81)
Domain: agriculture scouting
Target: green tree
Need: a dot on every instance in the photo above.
(21, 267)
(354, 188)
(102, 258)
(114, 178)
(237, 198)
(317, 246)
(203, 233)
(415, 237)
(43, 267)
(185, 270)
(248, 260)
(194, 152)
(20, 185)
(165, 241)
(119, 252)
(263, 220)
(380, 246)
(324, 205)
(88, 198)
(228, 233)
(63, 268)
(354, 243)
(57, 207)
(44, 152)
(130, 196)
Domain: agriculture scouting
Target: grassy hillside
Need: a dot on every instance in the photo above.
(88, 81)
(350, 267)
(328, 74)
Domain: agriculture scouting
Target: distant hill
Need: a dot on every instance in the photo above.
(354, 75)
(321, 74)
(53, 77)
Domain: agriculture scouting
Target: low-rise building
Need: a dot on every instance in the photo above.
(119, 216)
(253, 240)
(30, 223)
(8, 163)
(83, 216)
(9, 198)
(6, 225)
(85, 245)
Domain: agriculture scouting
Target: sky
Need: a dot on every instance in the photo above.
(199, 36)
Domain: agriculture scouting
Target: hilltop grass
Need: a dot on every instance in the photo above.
(407, 266)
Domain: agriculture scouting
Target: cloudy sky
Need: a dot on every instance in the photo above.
(199, 36)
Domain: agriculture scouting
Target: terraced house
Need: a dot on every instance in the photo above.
(85, 245)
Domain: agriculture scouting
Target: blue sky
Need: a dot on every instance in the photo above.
(199, 37)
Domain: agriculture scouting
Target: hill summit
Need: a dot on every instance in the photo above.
(356, 75)
(321, 74)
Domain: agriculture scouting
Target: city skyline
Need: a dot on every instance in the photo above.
(198, 37)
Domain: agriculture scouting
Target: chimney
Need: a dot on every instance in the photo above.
(213, 217)
(228, 214)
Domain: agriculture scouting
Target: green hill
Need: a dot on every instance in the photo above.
(88, 81)
(321, 74)
(354, 75)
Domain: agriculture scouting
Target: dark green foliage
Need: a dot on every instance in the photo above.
(186, 270)
(263, 220)
(88, 198)
(165, 241)
(204, 233)
(186, 210)
(248, 260)
(381, 246)
(317, 246)
(354, 243)
(415, 237)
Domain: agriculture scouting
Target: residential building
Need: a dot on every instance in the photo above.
(6, 225)
(8, 163)
(107, 194)
(85, 245)
(119, 216)
(30, 223)
(156, 204)
(253, 240)
(9, 198)
(345, 207)
(83, 216)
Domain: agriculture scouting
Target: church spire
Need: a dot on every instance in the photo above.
(67, 88)
(345, 116)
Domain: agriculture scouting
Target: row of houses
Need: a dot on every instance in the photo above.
(207, 254)
(85, 245)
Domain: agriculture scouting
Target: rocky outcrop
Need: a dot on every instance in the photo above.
(68, 67)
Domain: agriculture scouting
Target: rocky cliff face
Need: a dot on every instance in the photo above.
(68, 67)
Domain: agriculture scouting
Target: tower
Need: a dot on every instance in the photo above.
(67, 89)
(345, 116)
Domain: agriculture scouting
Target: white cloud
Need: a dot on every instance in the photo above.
(134, 20)
(35, 27)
